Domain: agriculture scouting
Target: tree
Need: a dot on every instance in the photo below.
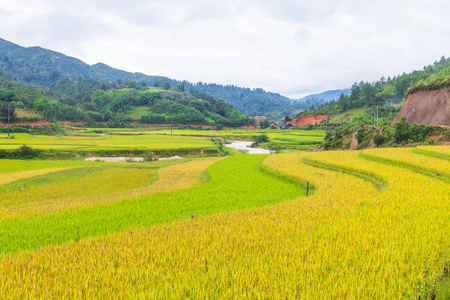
(7, 108)
(132, 84)
(166, 85)
(378, 139)
(264, 124)
(387, 92)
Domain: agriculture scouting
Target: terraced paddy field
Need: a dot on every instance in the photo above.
(95, 142)
(374, 226)
(287, 139)
(119, 140)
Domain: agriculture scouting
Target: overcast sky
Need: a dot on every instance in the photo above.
(291, 47)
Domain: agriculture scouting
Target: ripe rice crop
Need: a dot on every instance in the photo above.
(438, 151)
(347, 240)
(242, 254)
(90, 186)
(235, 183)
(9, 177)
(12, 165)
(408, 158)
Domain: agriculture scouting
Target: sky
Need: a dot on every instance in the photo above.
(290, 47)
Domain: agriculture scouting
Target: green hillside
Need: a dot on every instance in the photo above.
(114, 104)
(45, 67)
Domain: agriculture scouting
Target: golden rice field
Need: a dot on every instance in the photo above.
(375, 227)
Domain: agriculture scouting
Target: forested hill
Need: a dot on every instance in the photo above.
(115, 105)
(46, 68)
(254, 102)
(386, 92)
(315, 100)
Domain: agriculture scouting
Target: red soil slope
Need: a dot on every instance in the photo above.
(41, 122)
(308, 120)
(427, 107)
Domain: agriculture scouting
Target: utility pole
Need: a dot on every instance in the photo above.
(9, 109)
(171, 125)
(390, 109)
(377, 116)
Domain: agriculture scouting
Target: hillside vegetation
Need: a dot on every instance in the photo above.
(390, 91)
(115, 103)
(45, 67)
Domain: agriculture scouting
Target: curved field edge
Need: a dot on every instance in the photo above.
(32, 179)
(235, 184)
(172, 177)
(421, 201)
(290, 178)
(346, 241)
(432, 153)
(9, 167)
(376, 180)
(259, 252)
(407, 165)
(6, 178)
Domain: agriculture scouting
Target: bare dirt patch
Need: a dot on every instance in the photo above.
(427, 107)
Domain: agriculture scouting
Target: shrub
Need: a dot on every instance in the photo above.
(260, 139)
(26, 152)
(378, 139)
(360, 135)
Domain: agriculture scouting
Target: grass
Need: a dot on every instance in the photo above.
(139, 111)
(21, 113)
(348, 115)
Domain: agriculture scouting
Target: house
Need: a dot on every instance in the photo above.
(286, 126)
(273, 126)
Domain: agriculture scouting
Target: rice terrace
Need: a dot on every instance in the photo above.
(372, 226)
(288, 150)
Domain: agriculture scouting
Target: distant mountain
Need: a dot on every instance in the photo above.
(46, 68)
(321, 98)
(327, 95)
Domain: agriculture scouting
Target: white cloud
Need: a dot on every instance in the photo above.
(290, 47)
